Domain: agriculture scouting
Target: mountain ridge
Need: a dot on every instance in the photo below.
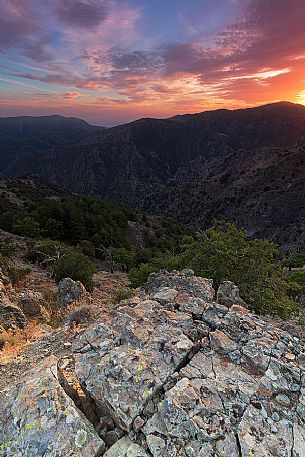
(172, 166)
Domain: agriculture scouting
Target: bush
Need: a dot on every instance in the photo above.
(224, 253)
(123, 257)
(86, 248)
(40, 252)
(122, 294)
(296, 284)
(138, 276)
(28, 227)
(76, 266)
(7, 249)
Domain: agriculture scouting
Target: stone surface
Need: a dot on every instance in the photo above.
(126, 448)
(129, 360)
(181, 281)
(11, 316)
(69, 292)
(32, 304)
(176, 375)
(228, 295)
(39, 419)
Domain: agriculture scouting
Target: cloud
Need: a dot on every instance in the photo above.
(82, 13)
(71, 95)
(100, 46)
(15, 22)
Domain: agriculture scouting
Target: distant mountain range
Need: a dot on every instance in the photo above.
(247, 165)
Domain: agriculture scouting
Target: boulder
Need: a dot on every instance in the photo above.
(38, 418)
(228, 295)
(32, 304)
(183, 281)
(126, 448)
(70, 292)
(11, 316)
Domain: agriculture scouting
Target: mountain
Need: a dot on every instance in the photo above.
(245, 165)
(26, 135)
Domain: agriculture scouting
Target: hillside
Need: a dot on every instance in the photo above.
(32, 136)
(193, 167)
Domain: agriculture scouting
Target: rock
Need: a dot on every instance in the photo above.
(138, 423)
(33, 304)
(181, 281)
(165, 382)
(39, 419)
(131, 358)
(221, 342)
(126, 448)
(69, 292)
(11, 316)
(228, 295)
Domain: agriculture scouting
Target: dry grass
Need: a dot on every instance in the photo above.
(52, 306)
(15, 341)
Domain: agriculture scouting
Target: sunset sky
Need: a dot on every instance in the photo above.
(111, 61)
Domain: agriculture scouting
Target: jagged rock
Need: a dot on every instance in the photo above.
(131, 358)
(228, 295)
(39, 419)
(183, 281)
(32, 304)
(69, 292)
(126, 448)
(213, 382)
(11, 316)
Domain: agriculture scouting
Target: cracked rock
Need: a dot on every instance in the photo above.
(175, 375)
(38, 418)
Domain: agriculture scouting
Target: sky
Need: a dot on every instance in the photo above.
(112, 61)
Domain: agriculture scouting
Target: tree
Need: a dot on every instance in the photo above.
(27, 226)
(224, 253)
(76, 266)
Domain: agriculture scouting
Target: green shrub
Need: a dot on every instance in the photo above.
(86, 247)
(138, 276)
(7, 248)
(76, 266)
(296, 284)
(224, 253)
(295, 260)
(122, 294)
(39, 252)
(28, 227)
(123, 256)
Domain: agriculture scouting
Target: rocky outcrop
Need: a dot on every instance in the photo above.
(228, 294)
(171, 374)
(11, 316)
(32, 304)
(39, 419)
(70, 292)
